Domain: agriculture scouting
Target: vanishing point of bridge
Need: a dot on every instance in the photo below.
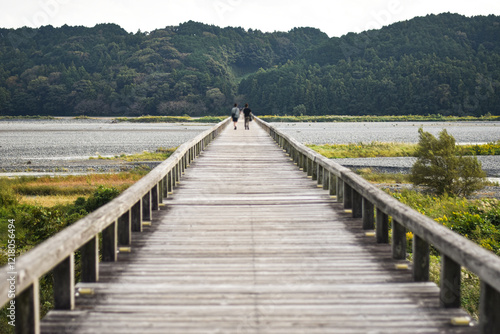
(246, 241)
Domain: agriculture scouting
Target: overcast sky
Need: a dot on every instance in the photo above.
(333, 17)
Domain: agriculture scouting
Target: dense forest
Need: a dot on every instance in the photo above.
(439, 64)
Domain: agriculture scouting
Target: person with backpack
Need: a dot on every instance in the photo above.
(235, 114)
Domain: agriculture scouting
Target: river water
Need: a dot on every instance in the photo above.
(35, 142)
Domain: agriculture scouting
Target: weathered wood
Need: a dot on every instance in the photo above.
(485, 264)
(89, 261)
(125, 229)
(347, 196)
(450, 283)
(155, 198)
(421, 252)
(368, 215)
(147, 210)
(64, 284)
(357, 205)
(398, 240)
(489, 308)
(136, 217)
(382, 227)
(27, 313)
(110, 243)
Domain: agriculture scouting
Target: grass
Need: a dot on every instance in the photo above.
(159, 155)
(368, 118)
(379, 150)
(50, 191)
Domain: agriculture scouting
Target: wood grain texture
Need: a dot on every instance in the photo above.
(247, 243)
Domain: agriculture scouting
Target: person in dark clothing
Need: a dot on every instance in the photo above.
(248, 116)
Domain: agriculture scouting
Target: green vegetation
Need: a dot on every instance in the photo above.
(439, 167)
(444, 64)
(477, 220)
(36, 223)
(371, 118)
(159, 155)
(172, 119)
(365, 150)
(378, 149)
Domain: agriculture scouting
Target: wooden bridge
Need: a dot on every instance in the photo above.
(254, 237)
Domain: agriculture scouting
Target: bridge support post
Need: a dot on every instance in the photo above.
(28, 310)
(320, 175)
(489, 321)
(326, 179)
(64, 284)
(382, 227)
(314, 170)
(109, 243)
(368, 215)
(90, 261)
(136, 217)
(340, 190)
(155, 198)
(449, 294)
(420, 259)
(398, 241)
(333, 185)
(347, 196)
(146, 207)
(125, 229)
(357, 204)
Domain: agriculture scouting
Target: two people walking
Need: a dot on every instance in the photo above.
(247, 112)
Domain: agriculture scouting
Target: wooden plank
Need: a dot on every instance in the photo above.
(247, 243)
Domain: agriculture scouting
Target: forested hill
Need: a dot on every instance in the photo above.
(446, 64)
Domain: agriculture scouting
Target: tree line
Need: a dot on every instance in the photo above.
(440, 64)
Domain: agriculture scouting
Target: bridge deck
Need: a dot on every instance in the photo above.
(249, 244)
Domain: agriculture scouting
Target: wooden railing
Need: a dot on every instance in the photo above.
(114, 221)
(375, 206)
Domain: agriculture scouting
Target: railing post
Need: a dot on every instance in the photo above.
(333, 185)
(28, 310)
(320, 175)
(449, 295)
(155, 198)
(347, 196)
(420, 259)
(398, 241)
(368, 214)
(164, 187)
(357, 204)
(326, 179)
(382, 227)
(340, 190)
(109, 243)
(146, 207)
(489, 304)
(125, 229)
(136, 216)
(64, 284)
(89, 259)
(309, 167)
(170, 176)
(314, 171)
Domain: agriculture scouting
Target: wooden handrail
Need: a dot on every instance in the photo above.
(362, 197)
(57, 252)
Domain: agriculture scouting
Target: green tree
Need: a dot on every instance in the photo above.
(439, 167)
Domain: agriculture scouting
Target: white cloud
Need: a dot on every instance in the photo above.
(333, 17)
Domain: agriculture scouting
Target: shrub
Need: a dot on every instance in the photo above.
(439, 168)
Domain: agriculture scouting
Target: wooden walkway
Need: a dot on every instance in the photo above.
(249, 244)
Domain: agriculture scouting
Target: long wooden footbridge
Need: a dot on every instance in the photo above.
(253, 237)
